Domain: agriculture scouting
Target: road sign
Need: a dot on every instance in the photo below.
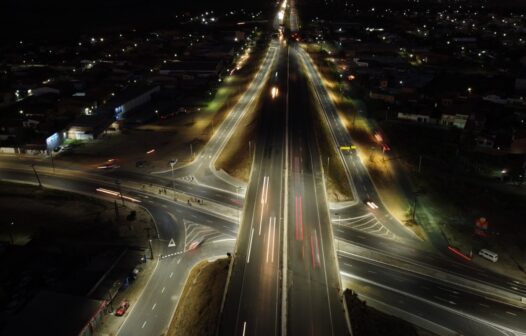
(171, 243)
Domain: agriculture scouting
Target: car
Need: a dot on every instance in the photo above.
(196, 243)
(370, 204)
(108, 166)
(123, 307)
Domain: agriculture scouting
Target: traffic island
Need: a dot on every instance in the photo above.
(236, 157)
(198, 310)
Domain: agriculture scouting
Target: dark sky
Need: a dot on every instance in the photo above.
(19, 18)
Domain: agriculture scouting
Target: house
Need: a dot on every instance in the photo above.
(455, 120)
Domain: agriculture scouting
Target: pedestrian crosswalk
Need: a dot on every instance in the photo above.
(367, 223)
(197, 234)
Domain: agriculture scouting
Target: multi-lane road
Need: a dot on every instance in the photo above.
(285, 277)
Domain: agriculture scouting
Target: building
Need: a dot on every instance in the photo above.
(130, 98)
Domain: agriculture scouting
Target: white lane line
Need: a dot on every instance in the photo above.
(144, 324)
(273, 237)
(171, 274)
(484, 305)
(179, 261)
(268, 236)
(250, 244)
(154, 305)
(244, 327)
(162, 290)
(513, 314)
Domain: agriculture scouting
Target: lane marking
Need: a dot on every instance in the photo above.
(513, 314)
(154, 305)
(171, 274)
(144, 324)
(162, 290)
(244, 327)
(250, 244)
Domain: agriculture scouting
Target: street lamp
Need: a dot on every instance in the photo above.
(172, 164)
(11, 232)
(36, 174)
(118, 183)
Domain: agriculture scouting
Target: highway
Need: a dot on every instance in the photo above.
(314, 305)
(437, 301)
(253, 302)
(202, 168)
(286, 273)
(375, 229)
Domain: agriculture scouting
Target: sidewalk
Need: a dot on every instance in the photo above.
(110, 323)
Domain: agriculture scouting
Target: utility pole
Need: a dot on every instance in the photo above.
(11, 232)
(36, 174)
(52, 161)
(118, 183)
(151, 248)
(116, 211)
(172, 164)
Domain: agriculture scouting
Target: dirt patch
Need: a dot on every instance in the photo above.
(198, 309)
(367, 321)
(235, 158)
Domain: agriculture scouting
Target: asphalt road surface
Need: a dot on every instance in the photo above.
(253, 302)
(315, 307)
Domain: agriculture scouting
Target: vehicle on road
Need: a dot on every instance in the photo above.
(490, 255)
(370, 204)
(123, 307)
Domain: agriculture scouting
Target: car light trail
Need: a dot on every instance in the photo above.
(250, 244)
(264, 192)
(117, 194)
(271, 237)
(299, 217)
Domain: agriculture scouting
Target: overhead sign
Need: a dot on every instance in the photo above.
(171, 243)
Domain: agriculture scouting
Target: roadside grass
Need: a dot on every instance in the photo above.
(235, 159)
(199, 306)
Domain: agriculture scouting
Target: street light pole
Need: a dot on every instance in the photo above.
(172, 164)
(11, 232)
(52, 162)
(151, 248)
(36, 174)
(118, 183)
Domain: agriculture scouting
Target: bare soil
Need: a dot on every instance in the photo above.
(198, 310)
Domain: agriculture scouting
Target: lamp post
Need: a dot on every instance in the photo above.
(172, 164)
(118, 183)
(11, 232)
(36, 174)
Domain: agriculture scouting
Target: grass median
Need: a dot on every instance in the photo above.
(198, 310)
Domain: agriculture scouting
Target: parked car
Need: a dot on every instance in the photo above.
(123, 307)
